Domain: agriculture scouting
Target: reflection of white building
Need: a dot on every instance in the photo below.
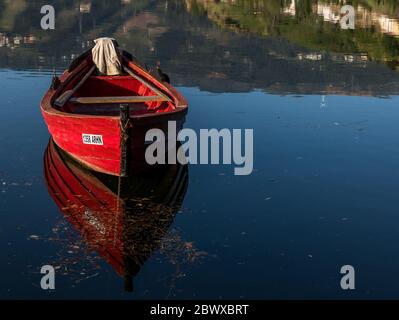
(349, 58)
(3, 40)
(85, 7)
(30, 39)
(330, 13)
(290, 9)
(18, 40)
(364, 18)
(310, 56)
(387, 24)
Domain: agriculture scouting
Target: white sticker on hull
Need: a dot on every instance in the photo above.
(92, 139)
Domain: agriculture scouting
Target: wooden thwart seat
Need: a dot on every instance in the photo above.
(109, 100)
(68, 95)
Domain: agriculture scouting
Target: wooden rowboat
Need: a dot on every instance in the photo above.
(101, 121)
(124, 223)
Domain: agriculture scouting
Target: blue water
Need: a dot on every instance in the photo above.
(323, 194)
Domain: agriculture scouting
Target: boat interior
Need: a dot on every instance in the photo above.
(94, 94)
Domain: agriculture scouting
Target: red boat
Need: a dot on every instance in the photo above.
(101, 120)
(123, 223)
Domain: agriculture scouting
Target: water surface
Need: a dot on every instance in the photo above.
(323, 193)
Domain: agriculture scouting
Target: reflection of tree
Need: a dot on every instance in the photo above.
(182, 35)
(261, 17)
(303, 8)
(386, 6)
(78, 22)
(23, 16)
(10, 11)
(306, 28)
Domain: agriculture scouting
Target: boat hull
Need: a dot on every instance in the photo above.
(69, 132)
(97, 140)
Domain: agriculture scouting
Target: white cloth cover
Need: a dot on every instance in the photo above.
(105, 57)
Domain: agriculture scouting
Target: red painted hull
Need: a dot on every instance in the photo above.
(124, 226)
(67, 126)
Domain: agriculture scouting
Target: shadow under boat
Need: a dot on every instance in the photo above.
(123, 219)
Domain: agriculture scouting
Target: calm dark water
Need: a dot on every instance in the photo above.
(323, 193)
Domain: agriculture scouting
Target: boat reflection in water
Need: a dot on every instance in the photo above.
(124, 220)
